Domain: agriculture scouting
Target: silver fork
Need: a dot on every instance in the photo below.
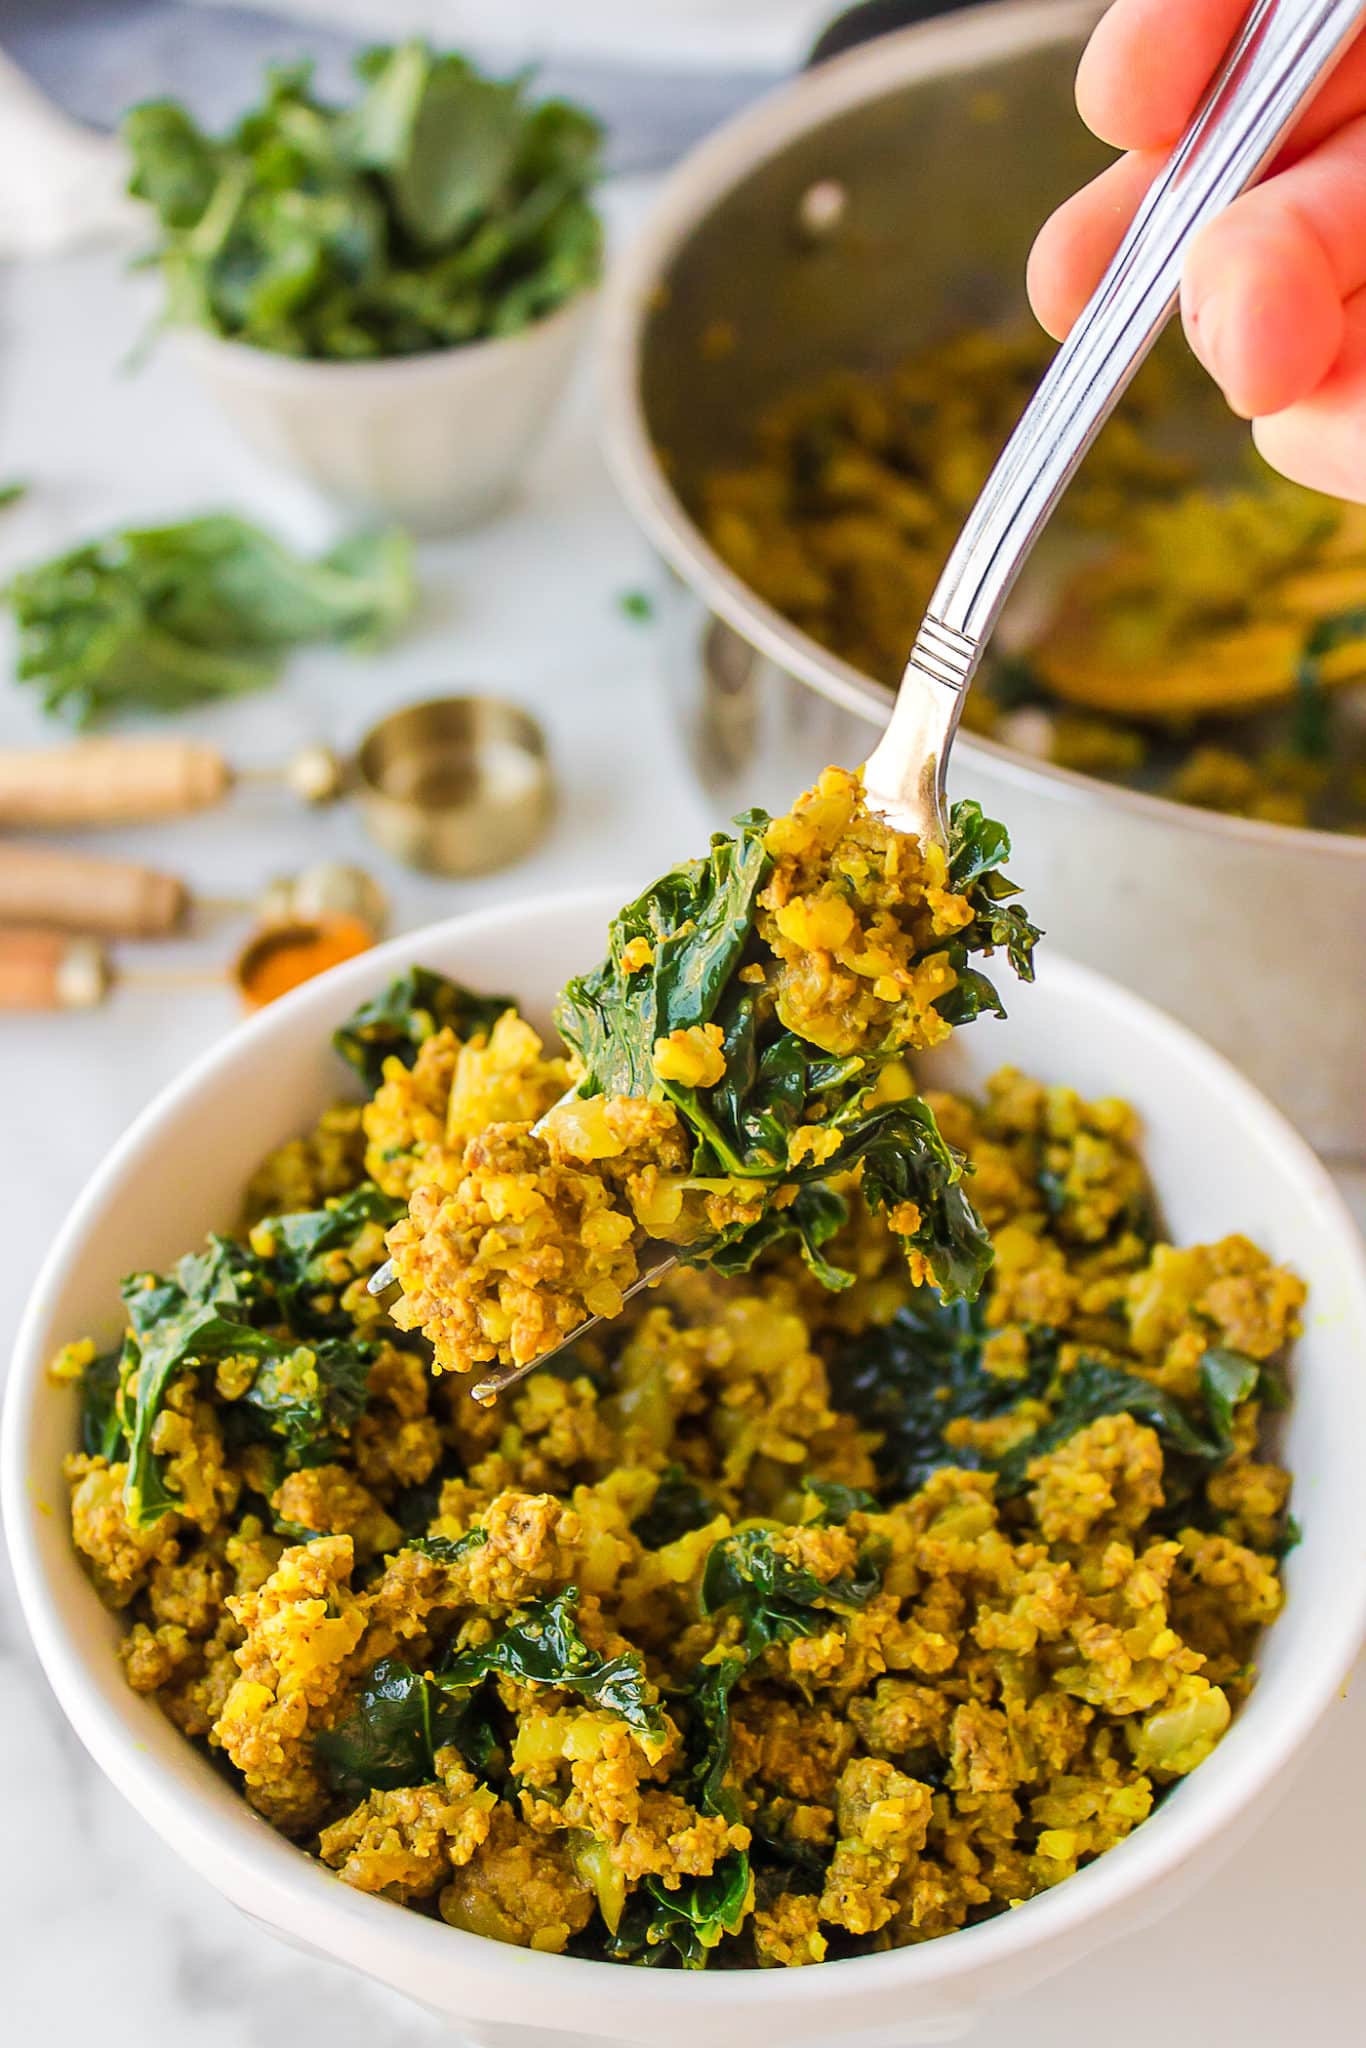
(1283, 53)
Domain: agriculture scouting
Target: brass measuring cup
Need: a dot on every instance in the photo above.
(455, 785)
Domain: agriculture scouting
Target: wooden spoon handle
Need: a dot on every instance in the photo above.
(109, 782)
(47, 970)
(120, 898)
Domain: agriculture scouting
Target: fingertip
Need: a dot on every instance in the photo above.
(1046, 278)
(1104, 85)
(1074, 245)
(1146, 65)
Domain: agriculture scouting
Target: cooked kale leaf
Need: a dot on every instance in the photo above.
(303, 1396)
(679, 1507)
(914, 1375)
(448, 1549)
(1227, 1379)
(441, 207)
(308, 1398)
(160, 618)
(307, 1235)
(302, 1234)
(698, 928)
(906, 1160)
(698, 920)
(978, 847)
(102, 1431)
(708, 1730)
(398, 1724)
(687, 1923)
(397, 1023)
(543, 1646)
(774, 1598)
(908, 1378)
(837, 1502)
(815, 1214)
(1093, 1389)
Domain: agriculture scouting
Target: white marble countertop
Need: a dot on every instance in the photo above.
(105, 1934)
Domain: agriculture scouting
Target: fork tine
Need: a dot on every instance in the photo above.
(499, 1382)
(383, 1284)
(382, 1279)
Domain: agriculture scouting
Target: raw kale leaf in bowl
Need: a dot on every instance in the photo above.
(441, 207)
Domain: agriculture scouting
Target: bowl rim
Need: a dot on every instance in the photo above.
(206, 346)
(295, 1896)
(707, 175)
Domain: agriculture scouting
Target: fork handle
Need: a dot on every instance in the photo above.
(1285, 50)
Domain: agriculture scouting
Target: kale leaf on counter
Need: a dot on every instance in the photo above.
(698, 922)
(397, 1022)
(440, 207)
(161, 618)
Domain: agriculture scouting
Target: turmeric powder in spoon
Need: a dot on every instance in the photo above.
(283, 957)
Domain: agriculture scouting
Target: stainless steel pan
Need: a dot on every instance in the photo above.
(946, 144)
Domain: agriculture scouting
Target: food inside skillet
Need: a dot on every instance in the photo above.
(1197, 642)
(784, 1623)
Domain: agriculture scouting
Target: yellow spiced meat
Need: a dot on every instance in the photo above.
(533, 1182)
(781, 1622)
(858, 918)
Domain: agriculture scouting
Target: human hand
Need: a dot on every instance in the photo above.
(1273, 295)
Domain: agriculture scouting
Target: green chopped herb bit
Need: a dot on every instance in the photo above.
(163, 618)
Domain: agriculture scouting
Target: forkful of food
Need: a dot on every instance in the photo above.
(737, 1068)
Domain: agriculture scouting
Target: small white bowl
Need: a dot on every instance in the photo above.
(1222, 1160)
(437, 441)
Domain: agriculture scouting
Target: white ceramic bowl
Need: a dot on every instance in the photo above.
(437, 441)
(1222, 1160)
